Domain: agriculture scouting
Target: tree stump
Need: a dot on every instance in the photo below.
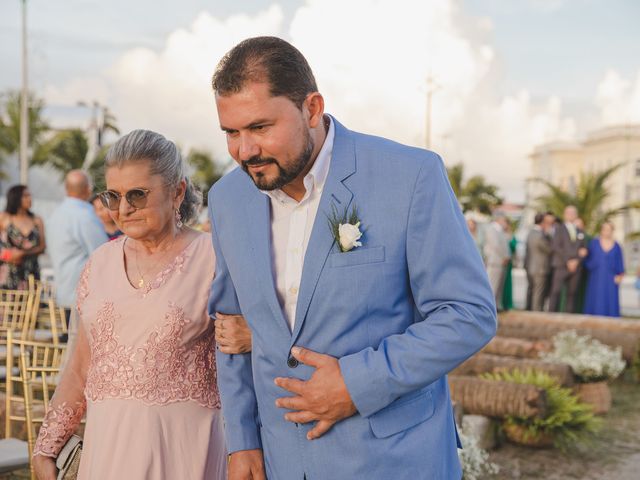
(485, 363)
(497, 399)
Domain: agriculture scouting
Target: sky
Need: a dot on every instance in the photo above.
(507, 74)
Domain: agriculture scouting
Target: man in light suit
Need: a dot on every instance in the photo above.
(569, 249)
(496, 255)
(537, 260)
(351, 346)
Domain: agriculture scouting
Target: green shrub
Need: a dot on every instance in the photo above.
(568, 421)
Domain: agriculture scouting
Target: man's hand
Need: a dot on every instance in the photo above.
(246, 465)
(572, 265)
(324, 398)
(232, 334)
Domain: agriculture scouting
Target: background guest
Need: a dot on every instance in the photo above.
(606, 270)
(74, 232)
(537, 260)
(110, 227)
(568, 249)
(496, 255)
(507, 291)
(581, 292)
(22, 234)
(472, 225)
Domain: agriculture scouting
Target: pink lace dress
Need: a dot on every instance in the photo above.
(144, 371)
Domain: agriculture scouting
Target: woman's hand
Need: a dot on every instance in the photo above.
(45, 467)
(232, 334)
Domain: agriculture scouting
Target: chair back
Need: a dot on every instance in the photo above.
(16, 311)
(40, 365)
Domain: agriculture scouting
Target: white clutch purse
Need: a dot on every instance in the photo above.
(68, 460)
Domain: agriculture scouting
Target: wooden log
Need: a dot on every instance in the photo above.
(516, 347)
(487, 363)
(497, 399)
(615, 332)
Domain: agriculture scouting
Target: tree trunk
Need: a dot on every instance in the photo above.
(497, 399)
(615, 332)
(516, 347)
(486, 363)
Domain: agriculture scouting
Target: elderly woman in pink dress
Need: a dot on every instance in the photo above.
(143, 369)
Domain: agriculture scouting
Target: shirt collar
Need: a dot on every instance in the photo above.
(317, 176)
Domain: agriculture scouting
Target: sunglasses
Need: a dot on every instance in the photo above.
(136, 197)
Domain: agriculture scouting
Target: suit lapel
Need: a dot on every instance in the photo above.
(259, 218)
(335, 192)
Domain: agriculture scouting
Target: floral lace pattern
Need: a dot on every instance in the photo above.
(164, 274)
(82, 290)
(58, 426)
(163, 370)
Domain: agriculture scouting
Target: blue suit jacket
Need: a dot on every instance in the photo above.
(399, 312)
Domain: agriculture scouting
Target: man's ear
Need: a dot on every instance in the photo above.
(314, 103)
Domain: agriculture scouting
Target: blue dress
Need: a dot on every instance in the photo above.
(602, 296)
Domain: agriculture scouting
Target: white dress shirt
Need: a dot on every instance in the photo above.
(291, 225)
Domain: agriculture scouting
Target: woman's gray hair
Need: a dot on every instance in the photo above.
(164, 159)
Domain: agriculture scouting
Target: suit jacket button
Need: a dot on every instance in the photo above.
(292, 362)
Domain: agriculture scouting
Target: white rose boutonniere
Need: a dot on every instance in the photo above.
(345, 229)
(349, 235)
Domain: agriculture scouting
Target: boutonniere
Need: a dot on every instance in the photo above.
(580, 236)
(345, 228)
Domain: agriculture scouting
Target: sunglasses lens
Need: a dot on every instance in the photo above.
(137, 198)
(110, 200)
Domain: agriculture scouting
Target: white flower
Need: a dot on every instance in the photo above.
(474, 460)
(589, 359)
(349, 235)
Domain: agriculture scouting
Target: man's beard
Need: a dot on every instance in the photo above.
(285, 176)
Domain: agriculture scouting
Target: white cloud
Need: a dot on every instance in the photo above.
(371, 59)
(618, 98)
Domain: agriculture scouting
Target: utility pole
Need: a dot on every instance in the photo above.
(24, 108)
(431, 87)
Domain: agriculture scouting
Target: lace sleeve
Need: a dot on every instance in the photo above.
(68, 404)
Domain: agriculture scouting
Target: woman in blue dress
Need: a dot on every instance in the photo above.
(606, 269)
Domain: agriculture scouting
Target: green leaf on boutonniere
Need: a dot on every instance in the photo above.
(336, 219)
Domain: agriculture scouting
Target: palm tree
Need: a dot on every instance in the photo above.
(65, 151)
(108, 125)
(207, 172)
(475, 194)
(590, 194)
(10, 125)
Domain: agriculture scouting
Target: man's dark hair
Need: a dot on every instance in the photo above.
(538, 218)
(265, 59)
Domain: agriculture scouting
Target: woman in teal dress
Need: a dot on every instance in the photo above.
(507, 292)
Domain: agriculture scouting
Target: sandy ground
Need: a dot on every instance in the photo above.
(614, 454)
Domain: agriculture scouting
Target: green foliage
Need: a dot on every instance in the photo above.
(568, 421)
(10, 124)
(207, 172)
(476, 194)
(65, 151)
(588, 198)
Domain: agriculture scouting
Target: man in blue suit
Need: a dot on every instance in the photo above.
(352, 263)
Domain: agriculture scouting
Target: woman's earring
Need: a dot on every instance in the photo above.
(178, 219)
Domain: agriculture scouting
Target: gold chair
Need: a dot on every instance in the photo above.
(40, 365)
(16, 311)
(16, 316)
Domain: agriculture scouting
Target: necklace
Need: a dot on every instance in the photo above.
(141, 281)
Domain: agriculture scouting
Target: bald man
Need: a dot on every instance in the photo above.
(73, 232)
